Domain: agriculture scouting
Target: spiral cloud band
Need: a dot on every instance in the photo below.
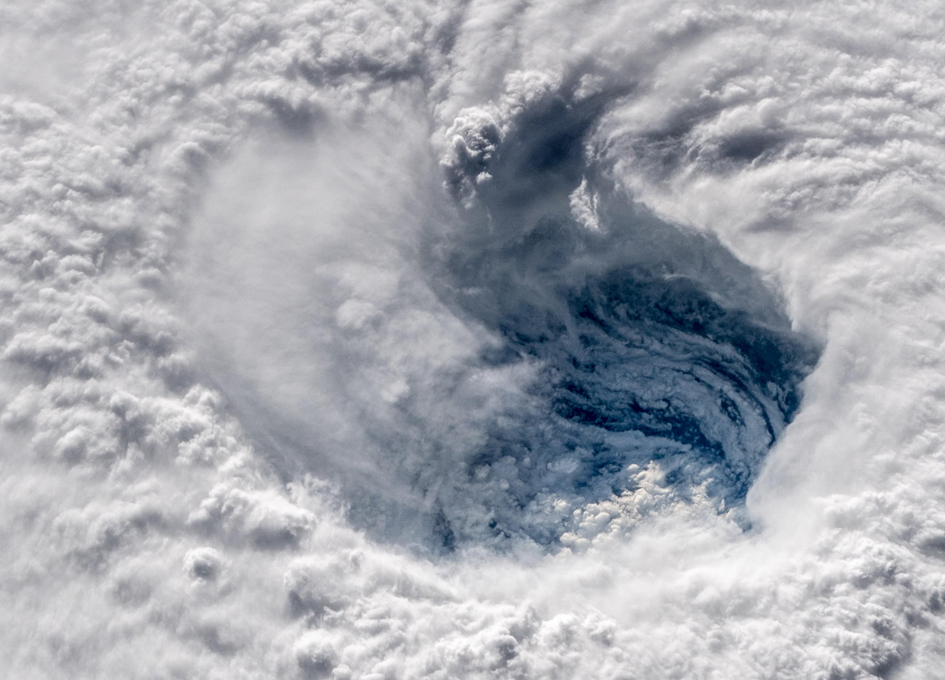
(477, 339)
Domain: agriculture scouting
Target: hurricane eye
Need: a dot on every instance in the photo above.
(657, 350)
(553, 349)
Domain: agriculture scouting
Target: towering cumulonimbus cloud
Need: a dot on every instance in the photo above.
(366, 340)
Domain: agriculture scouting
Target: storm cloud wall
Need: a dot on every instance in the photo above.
(480, 339)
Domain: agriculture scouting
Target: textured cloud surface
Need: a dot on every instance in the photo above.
(490, 339)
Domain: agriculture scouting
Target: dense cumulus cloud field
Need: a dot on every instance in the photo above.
(370, 340)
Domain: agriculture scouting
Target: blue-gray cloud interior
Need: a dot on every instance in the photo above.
(656, 342)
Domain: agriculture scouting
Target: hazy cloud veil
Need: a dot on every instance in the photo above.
(477, 339)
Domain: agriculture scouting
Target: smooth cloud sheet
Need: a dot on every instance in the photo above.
(462, 340)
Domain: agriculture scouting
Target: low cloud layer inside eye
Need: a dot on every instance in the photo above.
(657, 350)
